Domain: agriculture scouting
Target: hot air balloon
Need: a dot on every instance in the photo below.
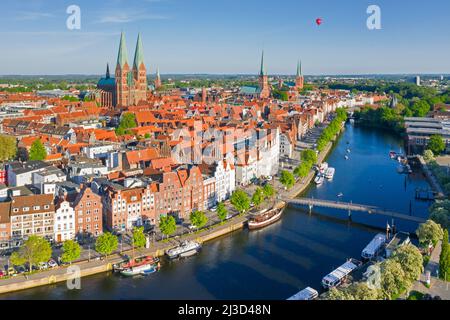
(319, 21)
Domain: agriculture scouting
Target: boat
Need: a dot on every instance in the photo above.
(144, 269)
(392, 154)
(306, 294)
(340, 195)
(374, 247)
(348, 150)
(135, 263)
(192, 247)
(262, 220)
(319, 179)
(338, 276)
(346, 157)
(323, 167)
(329, 174)
(190, 253)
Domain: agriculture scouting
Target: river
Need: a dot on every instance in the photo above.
(278, 261)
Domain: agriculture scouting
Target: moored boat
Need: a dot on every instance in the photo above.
(319, 179)
(262, 220)
(147, 268)
(329, 174)
(306, 294)
(136, 262)
(392, 154)
(374, 247)
(339, 275)
(185, 249)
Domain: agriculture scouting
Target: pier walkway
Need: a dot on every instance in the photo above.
(352, 207)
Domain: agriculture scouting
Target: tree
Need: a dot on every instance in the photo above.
(139, 239)
(71, 251)
(258, 197)
(440, 213)
(222, 211)
(410, 258)
(428, 155)
(338, 294)
(167, 225)
(127, 122)
(393, 279)
(240, 201)
(34, 250)
(37, 151)
(444, 259)
(198, 219)
(429, 233)
(268, 191)
(303, 169)
(360, 291)
(309, 156)
(8, 148)
(106, 243)
(436, 144)
(287, 179)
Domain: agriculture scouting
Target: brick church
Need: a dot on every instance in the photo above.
(129, 87)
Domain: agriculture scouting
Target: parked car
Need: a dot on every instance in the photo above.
(228, 217)
(52, 263)
(192, 227)
(269, 178)
(43, 266)
(214, 209)
(2, 274)
(11, 271)
(20, 269)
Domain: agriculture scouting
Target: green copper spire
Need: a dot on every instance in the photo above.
(139, 54)
(122, 58)
(263, 71)
(299, 68)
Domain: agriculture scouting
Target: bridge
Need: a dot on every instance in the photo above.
(352, 207)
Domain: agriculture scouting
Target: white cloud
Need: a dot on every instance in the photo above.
(29, 15)
(124, 17)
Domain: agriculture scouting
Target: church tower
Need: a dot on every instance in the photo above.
(299, 79)
(124, 78)
(139, 74)
(263, 81)
(158, 82)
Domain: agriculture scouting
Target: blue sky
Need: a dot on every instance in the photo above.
(227, 36)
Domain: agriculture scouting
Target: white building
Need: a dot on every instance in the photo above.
(64, 222)
(268, 152)
(46, 179)
(225, 175)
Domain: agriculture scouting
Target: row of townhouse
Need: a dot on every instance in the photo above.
(57, 219)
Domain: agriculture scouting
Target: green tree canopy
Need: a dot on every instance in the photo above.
(8, 148)
(34, 250)
(287, 179)
(444, 258)
(440, 213)
(139, 239)
(428, 155)
(410, 258)
(222, 211)
(258, 197)
(429, 233)
(436, 144)
(240, 201)
(71, 251)
(106, 243)
(309, 156)
(268, 191)
(37, 151)
(128, 121)
(393, 279)
(167, 225)
(198, 219)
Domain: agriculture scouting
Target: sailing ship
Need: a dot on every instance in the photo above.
(265, 218)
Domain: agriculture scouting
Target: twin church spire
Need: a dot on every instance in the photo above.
(122, 57)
